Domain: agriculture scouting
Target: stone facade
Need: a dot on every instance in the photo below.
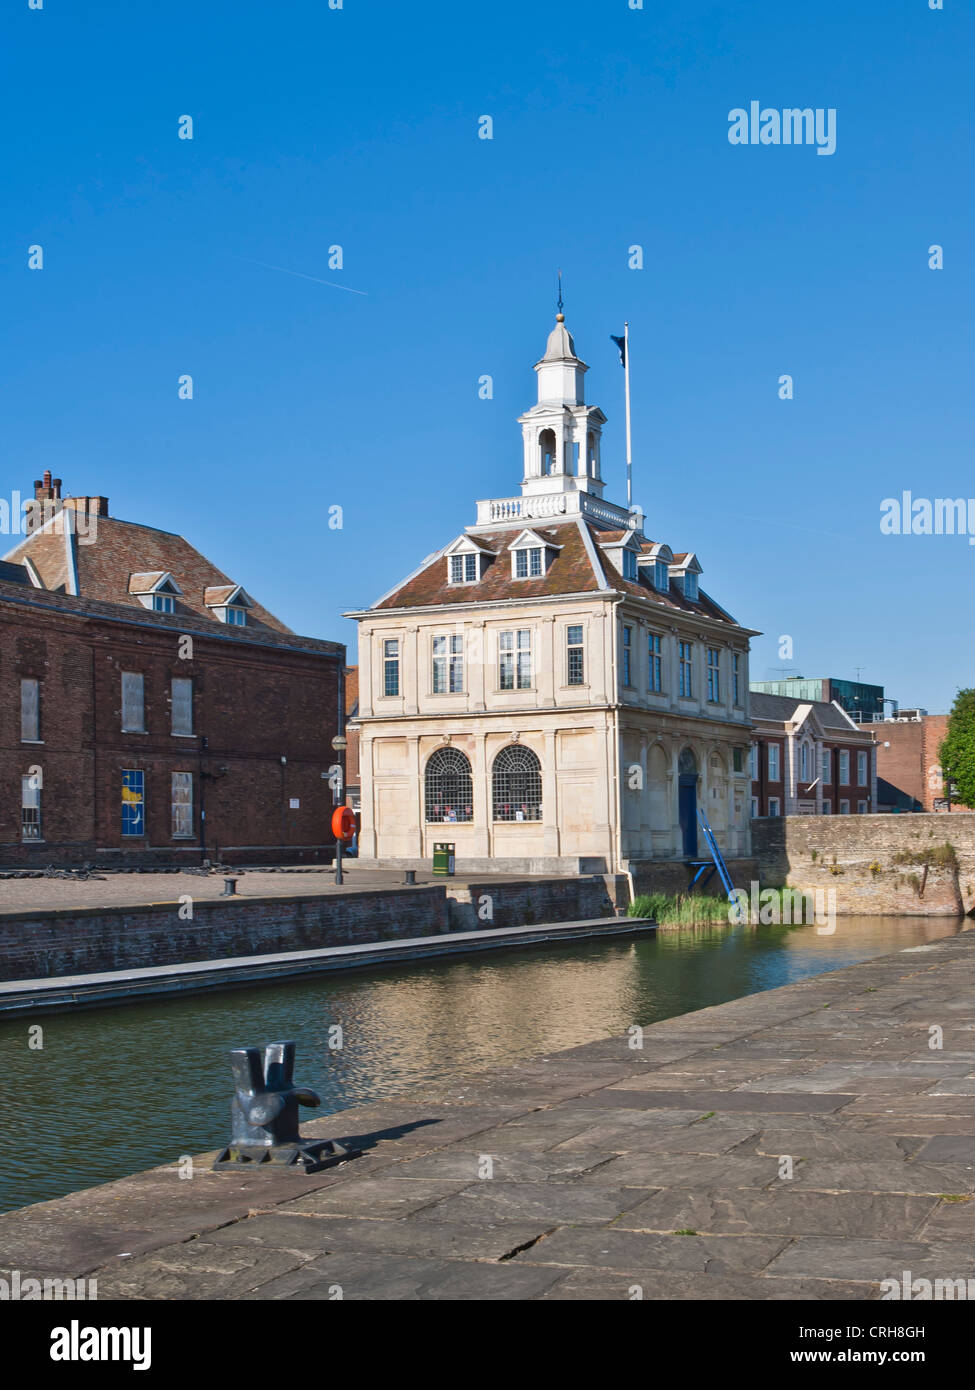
(877, 865)
(555, 640)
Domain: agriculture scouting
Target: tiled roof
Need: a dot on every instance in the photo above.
(570, 572)
(17, 596)
(122, 549)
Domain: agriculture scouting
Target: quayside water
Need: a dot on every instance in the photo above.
(116, 1091)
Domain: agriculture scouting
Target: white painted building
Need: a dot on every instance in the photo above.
(552, 690)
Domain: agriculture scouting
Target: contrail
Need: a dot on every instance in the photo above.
(301, 276)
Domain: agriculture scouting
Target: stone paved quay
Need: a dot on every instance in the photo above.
(661, 1167)
(18, 895)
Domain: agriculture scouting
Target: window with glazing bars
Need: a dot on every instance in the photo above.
(391, 666)
(685, 684)
(448, 664)
(528, 563)
(655, 672)
(517, 784)
(449, 787)
(575, 655)
(463, 569)
(515, 650)
(736, 677)
(714, 674)
(627, 656)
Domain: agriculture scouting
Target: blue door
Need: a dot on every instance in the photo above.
(687, 813)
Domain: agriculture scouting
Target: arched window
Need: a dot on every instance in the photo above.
(687, 763)
(546, 453)
(517, 784)
(591, 454)
(449, 788)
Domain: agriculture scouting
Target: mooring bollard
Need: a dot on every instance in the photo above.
(264, 1114)
(229, 888)
(410, 876)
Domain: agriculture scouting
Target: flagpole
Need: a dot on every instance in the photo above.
(629, 454)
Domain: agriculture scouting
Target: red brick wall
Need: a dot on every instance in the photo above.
(252, 706)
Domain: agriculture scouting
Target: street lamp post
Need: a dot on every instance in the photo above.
(339, 743)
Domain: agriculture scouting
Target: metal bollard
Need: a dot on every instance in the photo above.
(410, 876)
(229, 888)
(264, 1115)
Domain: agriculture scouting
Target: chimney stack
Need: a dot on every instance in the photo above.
(47, 489)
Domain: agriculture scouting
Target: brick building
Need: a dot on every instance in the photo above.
(152, 711)
(809, 758)
(909, 773)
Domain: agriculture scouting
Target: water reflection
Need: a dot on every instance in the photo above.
(116, 1091)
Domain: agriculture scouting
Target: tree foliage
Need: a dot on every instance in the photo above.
(957, 752)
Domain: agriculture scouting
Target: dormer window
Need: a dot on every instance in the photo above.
(528, 563)
(156, 590)
(630, 570)
(228, 603)
(690, 586)
(531, 554)
(661, 576)
(463, 569)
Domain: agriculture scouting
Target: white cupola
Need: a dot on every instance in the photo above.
(561, 433)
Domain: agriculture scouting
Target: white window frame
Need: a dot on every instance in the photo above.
(626, 653)
(753, 761)
(467, 563)
(532, 557)
(573, 647)
(754, 808)
(863, 768)
(827, 808)
(826, 768)
(844, 808)
(844, 774)
(391, 665)
(447, 663)
(774, 806)
(863, 808)
(774, 761)
(515, 658)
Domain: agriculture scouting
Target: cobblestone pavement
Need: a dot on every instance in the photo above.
(18, 895)
(804, 1143)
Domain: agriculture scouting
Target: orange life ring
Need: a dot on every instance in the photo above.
(343, 823)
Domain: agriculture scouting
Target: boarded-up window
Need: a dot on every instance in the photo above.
(133, 703)
(30, 711)
(182, 705)
(182, 805)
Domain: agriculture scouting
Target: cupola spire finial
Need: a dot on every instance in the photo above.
(560, 316)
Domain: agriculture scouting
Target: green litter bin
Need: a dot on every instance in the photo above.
(443, 859)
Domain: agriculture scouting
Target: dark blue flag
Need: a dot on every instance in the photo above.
(621, 344)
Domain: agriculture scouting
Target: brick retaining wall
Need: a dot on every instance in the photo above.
(81, 941)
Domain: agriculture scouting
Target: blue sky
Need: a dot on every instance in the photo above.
(358, 127)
